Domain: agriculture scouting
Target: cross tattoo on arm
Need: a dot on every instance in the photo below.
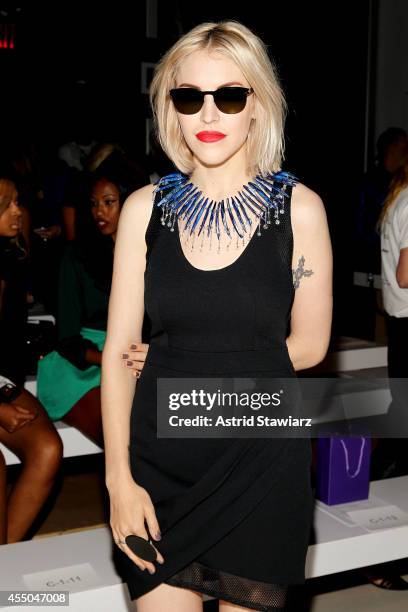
(299, 272)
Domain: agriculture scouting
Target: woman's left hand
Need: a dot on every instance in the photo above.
(135, 357)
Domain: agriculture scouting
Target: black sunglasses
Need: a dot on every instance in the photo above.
(230, 100)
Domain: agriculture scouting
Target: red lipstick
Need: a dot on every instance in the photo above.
(210, 136)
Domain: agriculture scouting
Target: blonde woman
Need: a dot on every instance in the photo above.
(393, 225)
(234, 514)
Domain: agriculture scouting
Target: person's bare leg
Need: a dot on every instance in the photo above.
(39, 448)
(171, 599)
(86, 416)
(3, 500)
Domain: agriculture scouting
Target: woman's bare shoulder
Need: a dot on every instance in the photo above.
(141, 199)
(134, 219)
(307, 208)
(137, 207)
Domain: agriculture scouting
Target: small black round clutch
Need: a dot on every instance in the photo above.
(141, 547)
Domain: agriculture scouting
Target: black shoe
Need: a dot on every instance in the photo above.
(391, 582)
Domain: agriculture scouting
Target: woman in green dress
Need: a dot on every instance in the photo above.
(69, 377)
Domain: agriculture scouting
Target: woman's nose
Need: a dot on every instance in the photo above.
(17, 212)
(209, 110)
(101, 210)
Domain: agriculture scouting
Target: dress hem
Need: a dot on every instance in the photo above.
(225, 597)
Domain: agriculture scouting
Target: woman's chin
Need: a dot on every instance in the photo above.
(10, 233)
(214, 159)
(105, 231)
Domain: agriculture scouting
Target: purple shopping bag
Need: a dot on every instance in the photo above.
(343, 469)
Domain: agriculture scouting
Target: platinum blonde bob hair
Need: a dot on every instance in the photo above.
(265, 142)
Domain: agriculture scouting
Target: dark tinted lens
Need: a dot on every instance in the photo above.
(187, 101)
(231, 100)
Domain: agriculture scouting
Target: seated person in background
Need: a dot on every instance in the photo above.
(3, 495)
(69, 377)
(25, 428)
(104, 159)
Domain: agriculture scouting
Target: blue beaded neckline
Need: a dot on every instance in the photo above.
(264, 197)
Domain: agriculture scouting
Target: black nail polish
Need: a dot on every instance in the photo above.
(125, 356)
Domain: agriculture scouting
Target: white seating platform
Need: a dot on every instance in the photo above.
(81, 562)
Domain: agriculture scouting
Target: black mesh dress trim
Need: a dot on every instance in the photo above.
(252, 594)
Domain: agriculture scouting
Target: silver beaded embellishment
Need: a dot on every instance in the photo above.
(261, 196)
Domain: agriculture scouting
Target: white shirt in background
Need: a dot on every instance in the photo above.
(394, 237)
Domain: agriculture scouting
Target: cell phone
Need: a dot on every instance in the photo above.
(9, 392)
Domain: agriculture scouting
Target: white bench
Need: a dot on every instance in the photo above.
(81, 562)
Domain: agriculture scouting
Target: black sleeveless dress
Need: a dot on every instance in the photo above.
(235, 514)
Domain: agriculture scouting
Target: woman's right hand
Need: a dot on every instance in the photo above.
(130, 506)
(14, 416)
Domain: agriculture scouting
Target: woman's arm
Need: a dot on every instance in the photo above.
(311, 314)
(402, 269)
(402, 266)
(125, 319)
